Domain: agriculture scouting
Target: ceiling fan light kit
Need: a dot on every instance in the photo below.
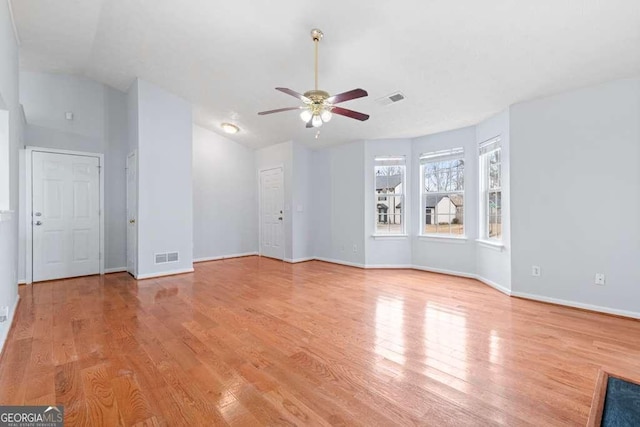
(319, 106)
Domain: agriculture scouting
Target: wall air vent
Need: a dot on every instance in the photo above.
(167, 257)
(390, 99)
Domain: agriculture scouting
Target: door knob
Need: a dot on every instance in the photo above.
(280, 218)
(132, 221)
(38, 223)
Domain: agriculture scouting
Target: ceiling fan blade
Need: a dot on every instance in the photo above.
(279, 110)
(309, 125)
(295, 94)
(347, 96)
(350, 113)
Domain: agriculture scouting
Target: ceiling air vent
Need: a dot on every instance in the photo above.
(390, 99)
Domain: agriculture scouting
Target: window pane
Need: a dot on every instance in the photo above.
(389, 179)
(444, 214)
(389, 214)
(495, 215)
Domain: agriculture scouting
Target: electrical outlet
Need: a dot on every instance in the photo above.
(4, 313)
(355, 248)
(535, 271)
(599, 279)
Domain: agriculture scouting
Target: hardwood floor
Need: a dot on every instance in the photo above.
(253, 341)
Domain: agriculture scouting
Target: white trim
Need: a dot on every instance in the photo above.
(260, 170)
(6, 215)
(22, 282)
(115, 270)
(164, 273)
(388, 266)
(574, 304)
(218, 258)
(336, 261)
(390, 236)
(442, 239)
(494, 285)
(297, 260)
(496, 246)
(9, 321)
(13, 23)
(29, 150)
(444, 271)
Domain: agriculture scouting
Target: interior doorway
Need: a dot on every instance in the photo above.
(64, 214)
(272, 213)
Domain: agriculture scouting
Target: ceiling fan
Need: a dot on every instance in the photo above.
(319, 106)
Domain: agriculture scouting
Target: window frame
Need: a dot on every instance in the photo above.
(486, 150)
(425, 159)
(401, 162)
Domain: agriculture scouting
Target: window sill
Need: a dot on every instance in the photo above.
(495, 245)
(442, 239)
(6, 215)
(390, 236)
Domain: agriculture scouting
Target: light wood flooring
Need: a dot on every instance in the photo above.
(253, 341)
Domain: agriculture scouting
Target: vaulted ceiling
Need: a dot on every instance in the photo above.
(456, 62)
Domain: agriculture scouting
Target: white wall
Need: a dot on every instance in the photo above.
(279, 155)
(441, 254)
(301, 204)
(573, 155)
(225, 220)
(9, 221)
(494, 264)
(321, 203)
(394, 251)
(115, 186)
(99, 126)
(165, 182)
(338, 200)
(46, 97)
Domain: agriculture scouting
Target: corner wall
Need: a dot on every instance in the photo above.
(576, 197)
(225, 221)
(165, 182)
(9, 82)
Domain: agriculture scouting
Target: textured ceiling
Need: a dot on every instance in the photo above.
(456, 62)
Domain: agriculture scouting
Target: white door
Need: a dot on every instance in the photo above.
(271, 213)
(132, 214)
(65, 215)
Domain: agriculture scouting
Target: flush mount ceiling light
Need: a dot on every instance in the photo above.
(230, 128)
(319, 106)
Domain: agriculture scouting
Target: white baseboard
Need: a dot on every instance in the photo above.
(388, 266)
(164, 273)
(218, 258)
(336, 261)
(22, 282)
(444, 271)
(494, 285)
(114, 270)
(297, 260)
(9, 321)
(600, 309)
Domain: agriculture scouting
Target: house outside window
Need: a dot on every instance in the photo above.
(442, 195)
(491, 190)
(390, 178)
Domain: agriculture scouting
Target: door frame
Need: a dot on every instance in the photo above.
(28, 212)
(133, 153)
(281, 167)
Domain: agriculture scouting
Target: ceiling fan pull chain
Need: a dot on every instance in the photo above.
(316, 62)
